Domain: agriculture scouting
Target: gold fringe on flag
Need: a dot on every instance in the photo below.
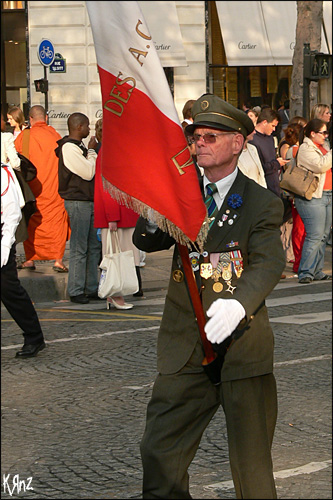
(152, 215)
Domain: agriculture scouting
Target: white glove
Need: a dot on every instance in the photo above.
(5, 250)
(225, 315)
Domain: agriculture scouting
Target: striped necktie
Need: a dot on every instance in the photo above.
(210, 202)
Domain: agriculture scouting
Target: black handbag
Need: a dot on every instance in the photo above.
(28, 169)
(27, 211)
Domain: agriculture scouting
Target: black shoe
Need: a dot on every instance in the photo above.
(93, 296)
(30, 350)
(80, 299)
(306, 279)
(138, 294)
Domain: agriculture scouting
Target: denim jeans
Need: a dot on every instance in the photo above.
(316, 215)
(85, 249)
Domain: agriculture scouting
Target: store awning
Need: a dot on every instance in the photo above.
(326, 45)
(163, 24)
(264, 32)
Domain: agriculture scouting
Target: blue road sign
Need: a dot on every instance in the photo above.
(45, 52)
(58, 65)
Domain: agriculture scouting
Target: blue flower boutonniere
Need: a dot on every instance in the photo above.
(235, 201)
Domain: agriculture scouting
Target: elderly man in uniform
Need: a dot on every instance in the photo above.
(241, 263)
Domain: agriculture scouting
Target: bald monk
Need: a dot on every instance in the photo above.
(48, 228)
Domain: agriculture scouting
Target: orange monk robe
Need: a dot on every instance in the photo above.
(48, 228)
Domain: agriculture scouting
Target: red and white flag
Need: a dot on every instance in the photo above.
(146, 164)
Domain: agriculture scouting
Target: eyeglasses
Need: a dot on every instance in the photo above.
(323, 133)
(208, 138)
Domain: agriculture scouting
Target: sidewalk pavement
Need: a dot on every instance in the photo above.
(47, 285)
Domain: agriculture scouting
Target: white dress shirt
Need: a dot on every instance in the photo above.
(223, 186)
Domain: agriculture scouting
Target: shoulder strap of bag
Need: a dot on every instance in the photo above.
(292, 162)
(109, 249)
(116, 237)
(301, 166)
(25, 142)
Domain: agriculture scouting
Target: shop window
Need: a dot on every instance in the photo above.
(272, 79)
(15, 62)
(249, 85)
(218, 76)
(13, 5)
(232, 86)
(255, 82)
(14, 74)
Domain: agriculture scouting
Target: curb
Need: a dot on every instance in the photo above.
(45, 285)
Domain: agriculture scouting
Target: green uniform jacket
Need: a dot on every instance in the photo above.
(255, 232)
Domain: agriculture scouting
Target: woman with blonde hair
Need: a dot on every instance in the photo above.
(16, 119)
(321, 111)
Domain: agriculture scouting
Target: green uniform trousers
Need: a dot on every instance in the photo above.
(181, 407)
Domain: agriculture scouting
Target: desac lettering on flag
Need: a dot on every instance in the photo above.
(146, 164)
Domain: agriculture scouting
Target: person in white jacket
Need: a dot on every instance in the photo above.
(9, 155)
(249, 162)
(14, 297)
(316, 213)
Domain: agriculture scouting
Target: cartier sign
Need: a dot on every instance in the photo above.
(246, 46)
(59, 114)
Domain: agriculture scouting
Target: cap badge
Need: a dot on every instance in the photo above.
(204, 105)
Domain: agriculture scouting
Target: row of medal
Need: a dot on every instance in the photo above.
(222, 265)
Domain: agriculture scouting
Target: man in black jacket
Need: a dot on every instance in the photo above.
(76, 187)
(264, 142)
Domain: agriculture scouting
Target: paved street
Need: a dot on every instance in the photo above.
(73, 417)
